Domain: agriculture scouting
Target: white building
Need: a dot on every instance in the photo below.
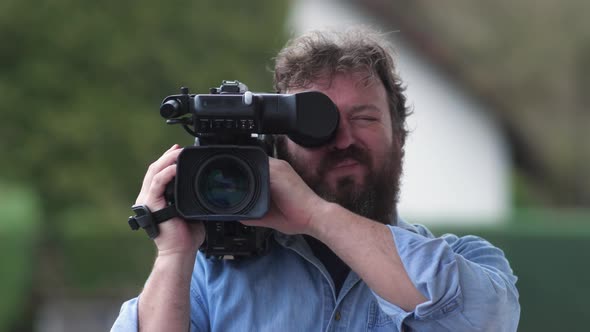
(457, 165)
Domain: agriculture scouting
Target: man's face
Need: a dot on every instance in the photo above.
(361, 167)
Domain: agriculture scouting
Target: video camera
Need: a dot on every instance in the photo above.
(224, 177)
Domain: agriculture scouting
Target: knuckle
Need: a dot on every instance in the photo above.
(164, 176)
(158, 179)
(283, 165)
(152, 167)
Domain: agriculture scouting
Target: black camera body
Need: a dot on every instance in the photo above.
(224, 177)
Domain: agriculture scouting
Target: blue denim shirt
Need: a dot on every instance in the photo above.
(467, 281)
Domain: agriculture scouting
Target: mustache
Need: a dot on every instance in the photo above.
(334, 157)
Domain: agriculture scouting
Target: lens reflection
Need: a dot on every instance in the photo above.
(223, 183)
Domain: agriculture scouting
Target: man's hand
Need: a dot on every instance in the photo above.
(176, 235)
(293, 203)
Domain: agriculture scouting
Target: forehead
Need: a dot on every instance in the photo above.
(330, 81)
(350, 89)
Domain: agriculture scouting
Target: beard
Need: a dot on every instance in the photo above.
(376, 198)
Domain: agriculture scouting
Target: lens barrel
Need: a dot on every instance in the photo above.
(222, 183)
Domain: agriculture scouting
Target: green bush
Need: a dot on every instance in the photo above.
(18, 238)
(83, 82)
(549, 253)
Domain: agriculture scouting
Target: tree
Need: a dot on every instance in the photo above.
(82, 82)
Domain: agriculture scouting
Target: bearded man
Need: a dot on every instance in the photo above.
(341, 259)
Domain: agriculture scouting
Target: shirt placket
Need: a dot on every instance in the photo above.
(338, 311)
(342, 315)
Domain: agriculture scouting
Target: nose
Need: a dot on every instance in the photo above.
(344, 136)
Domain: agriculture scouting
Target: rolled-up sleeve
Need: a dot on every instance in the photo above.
(468, 283)
(127, 320)
(128, 315)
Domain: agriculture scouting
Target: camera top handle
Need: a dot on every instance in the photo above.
(310, 119)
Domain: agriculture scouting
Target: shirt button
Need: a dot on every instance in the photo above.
(337, 316)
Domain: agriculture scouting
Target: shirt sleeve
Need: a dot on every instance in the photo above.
(127, 319)
(468, 283)
(128, 315)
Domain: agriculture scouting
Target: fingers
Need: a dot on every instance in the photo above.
(256, 222)
(161, 165)
(159, 182)
(272, 217)
(166, 159)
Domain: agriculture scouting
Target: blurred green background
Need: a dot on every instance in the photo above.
(80, 86)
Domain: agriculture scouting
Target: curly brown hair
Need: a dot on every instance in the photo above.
(319, 54)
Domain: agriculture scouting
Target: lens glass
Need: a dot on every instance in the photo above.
(223, 183)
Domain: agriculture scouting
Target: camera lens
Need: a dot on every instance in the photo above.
(224, 184)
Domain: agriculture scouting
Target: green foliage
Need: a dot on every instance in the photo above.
(82, 82)
(99, 265)
(18, 236)
(548, 251)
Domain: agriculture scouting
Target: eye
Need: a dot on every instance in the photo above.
(366, 119)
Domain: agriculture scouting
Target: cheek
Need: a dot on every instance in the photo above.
(381, 147)
(377, 138)
(304, 158)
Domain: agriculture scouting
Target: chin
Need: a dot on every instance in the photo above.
(347, 184)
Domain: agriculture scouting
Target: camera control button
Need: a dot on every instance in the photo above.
(243, 125)
(204, 124)
(247, 98)
(218, 123)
